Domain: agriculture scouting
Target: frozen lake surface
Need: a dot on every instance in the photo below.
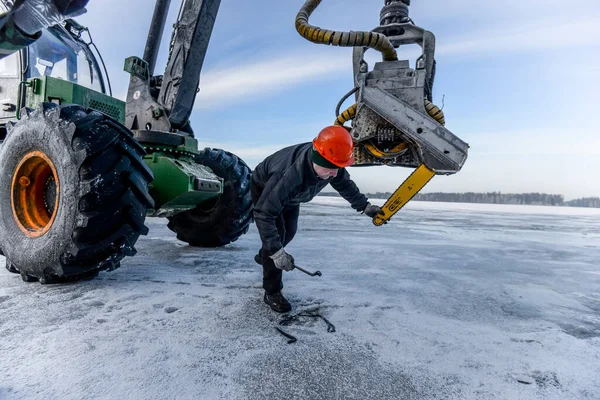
(446, 301)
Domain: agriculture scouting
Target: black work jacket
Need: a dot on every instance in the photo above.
(287, 178)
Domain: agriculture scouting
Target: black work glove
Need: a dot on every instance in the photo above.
(283, 260)
(372, 210)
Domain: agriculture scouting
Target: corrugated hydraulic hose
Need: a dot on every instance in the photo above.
(315, 34)
(346, 116)
(435, 112)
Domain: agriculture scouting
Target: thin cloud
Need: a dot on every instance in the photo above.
(265, 77)
(543, 35)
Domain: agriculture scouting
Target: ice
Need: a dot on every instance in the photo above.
(448, 300)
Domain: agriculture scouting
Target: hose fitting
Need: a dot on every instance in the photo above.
(394, 12)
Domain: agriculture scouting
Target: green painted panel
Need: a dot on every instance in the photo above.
(49, 89)
(180, 183)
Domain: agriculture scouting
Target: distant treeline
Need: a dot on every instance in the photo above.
(542, 199)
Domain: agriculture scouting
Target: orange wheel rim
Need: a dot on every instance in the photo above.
(34, 194)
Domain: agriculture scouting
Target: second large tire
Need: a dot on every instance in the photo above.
(223, 220)
(73, 194)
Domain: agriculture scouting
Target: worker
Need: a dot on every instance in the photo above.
(291, 176)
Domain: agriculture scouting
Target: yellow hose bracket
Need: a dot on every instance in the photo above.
(409, 188)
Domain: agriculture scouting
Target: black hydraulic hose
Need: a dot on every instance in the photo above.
(101, 60)
(339, 104)
(315, 34)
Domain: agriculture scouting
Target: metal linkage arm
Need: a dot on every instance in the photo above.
(188, 49)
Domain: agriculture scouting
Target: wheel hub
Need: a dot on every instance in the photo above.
(35, 194)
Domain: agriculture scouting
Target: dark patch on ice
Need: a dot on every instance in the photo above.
(469, 364)
(239, 287)
(521, 311)
(75, 296)
(232, 248)
(94, 303)
(525, 341)
(113, 308)
(586, 394)
(89, 347)
(147, 280)
(101, 320)
(211, 263)
(4, 392)
(592, 304)
(322, 214)
(4, 298)
(581, 332)
(310, 302)
(170, 310)
(318, 370)
(335, 229)
(545, 379)
(539, 227)
(216, 266)
(525, 380)
(70, 315)
(304, 332)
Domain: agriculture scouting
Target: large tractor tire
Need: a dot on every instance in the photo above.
(223, 220)
(73, 194)
(10, 267)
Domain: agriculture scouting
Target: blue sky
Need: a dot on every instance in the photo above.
(519, 82)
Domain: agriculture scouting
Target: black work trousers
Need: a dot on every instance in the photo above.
(287, 225)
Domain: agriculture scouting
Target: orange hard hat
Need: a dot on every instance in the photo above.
(335, 144)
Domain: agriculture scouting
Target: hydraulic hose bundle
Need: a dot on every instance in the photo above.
(315, 34)
(374, 40)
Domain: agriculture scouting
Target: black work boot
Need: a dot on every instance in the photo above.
(277, 302)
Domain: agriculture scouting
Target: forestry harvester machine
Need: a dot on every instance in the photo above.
(81, 170)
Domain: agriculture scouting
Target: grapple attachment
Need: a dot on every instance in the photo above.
(394, 121)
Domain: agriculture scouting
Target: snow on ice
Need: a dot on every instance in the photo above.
(446, 301)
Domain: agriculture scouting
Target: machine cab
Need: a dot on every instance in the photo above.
(59, 53)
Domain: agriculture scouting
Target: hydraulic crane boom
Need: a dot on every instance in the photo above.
(171, 96)
(188, 49)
